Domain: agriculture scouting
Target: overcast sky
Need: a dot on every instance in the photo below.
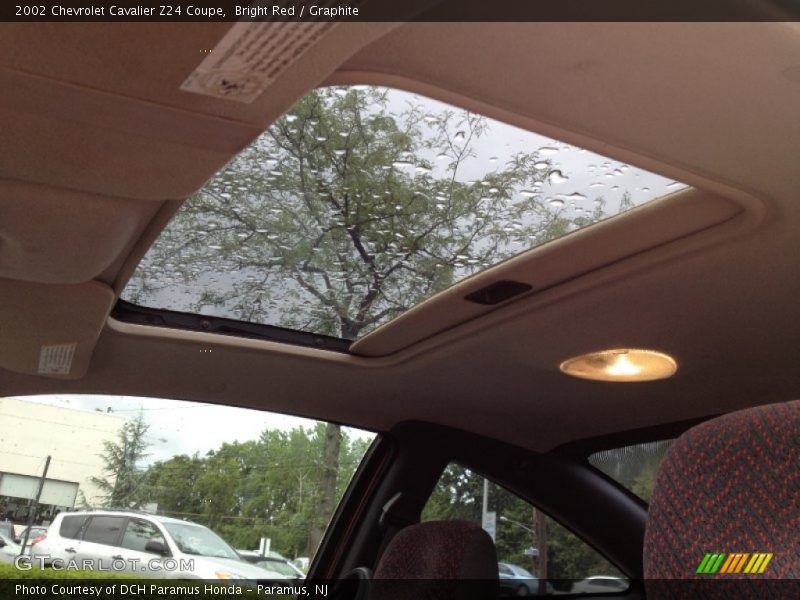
(181, 427)
(584, 172)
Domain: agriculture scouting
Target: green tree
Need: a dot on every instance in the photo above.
(276, 492)
(248, 490)
(338, 219)
(173, 485)
(123, 485)
(218, 486)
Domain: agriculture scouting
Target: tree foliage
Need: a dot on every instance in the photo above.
(347, 212)
(122, 486)
(263, 488)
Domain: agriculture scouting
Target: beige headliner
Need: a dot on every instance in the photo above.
(101, 145)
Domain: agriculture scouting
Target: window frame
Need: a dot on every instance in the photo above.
(127, 312)
(581, 450)
(533, 505)
(413, 456)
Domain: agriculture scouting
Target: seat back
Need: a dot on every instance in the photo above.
(726, 504)
(438, 559)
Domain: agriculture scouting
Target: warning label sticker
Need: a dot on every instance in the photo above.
(250, 57)
(56, 359)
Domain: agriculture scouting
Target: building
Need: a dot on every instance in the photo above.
(29, 432)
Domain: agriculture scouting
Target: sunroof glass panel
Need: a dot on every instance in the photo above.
(362, 201)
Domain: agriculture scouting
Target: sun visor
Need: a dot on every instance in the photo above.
(674, 224)
(51, 330)
(58, 236)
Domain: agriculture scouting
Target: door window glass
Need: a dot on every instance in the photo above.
(104, 530)
(634, 467)
(536, 554)
(71, 526)
(138, 533)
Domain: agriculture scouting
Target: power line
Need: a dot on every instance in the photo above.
(72, 462)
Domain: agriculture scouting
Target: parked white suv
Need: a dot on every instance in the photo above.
(141, 544)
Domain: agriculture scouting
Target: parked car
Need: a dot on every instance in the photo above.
(37, 532)
(302, 563)
(143, 542)
(7, 530)
(9, 549)
(273, 562)
(516, 581)
(598, 584)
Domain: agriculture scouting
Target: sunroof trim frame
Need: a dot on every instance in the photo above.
(135, 314)
(254, 330)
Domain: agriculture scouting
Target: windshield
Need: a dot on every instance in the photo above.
(520, 571)
(196, 539)
(279, 567)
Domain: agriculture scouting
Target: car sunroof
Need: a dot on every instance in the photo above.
(361, 202)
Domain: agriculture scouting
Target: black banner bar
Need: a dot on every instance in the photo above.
(397, 10)
(114, 587)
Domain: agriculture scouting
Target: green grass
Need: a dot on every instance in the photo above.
(10, 577)
(11, 572)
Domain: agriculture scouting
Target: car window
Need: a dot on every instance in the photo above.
(278, 566)
(536, 554)
(228, 478)
(103, 530)
(195, 539)
(504, 569)
(138, 532)
(634, 467)
(71, 526)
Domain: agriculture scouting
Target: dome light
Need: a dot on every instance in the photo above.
(621, 364)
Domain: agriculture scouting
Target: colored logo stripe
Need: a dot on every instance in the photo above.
(711, 563)
(758, 563)
(734, 563)
(728, 564)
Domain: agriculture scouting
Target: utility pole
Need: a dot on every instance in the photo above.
(488, 519)
(35, 507)
(485, 500)
(540, 528)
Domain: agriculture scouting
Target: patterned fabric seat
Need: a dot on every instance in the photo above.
(725, 510)
(437, 559)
